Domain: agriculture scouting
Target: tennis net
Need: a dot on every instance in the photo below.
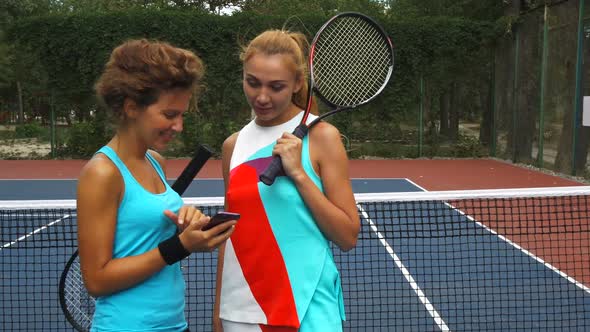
(483, 260)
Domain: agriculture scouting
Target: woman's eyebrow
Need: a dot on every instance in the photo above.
(271, 82)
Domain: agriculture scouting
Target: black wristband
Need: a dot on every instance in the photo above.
(172, 250)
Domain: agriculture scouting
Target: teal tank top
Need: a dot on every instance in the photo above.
(156, 304)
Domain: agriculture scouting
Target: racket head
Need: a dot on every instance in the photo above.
(76, 304)
(351, 60)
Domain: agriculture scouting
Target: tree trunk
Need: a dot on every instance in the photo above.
(21, 109)
(427, 107)
(445, 103)
(503, 82)
(567, 52)
(504, 76)
(563, 160)
(527, 97)
(514, 7)
(487, 118)
(454, 113)
(44, 109)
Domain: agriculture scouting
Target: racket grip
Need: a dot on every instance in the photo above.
(276, 166)
(271, 172)
(203, 154)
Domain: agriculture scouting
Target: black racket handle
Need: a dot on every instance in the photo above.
(203, 154)
(276, 166)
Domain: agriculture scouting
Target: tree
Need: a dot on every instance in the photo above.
(11, 89)
(14, 9)
(321, 7)
(6, 73)
(11, 10)
(473, 9)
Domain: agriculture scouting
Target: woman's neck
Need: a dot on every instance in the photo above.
(127, 145)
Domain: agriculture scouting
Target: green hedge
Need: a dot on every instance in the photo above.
(66, 53)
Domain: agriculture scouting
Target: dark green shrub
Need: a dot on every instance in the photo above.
(85, 138)
(29, 130)
(468, 147)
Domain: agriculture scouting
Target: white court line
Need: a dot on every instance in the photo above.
(415, 184)
(8, 244)
(406, 179)
(429, 307)
(524, 251)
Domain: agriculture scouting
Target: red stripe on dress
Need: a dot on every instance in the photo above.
(257, 250)
(269, 328)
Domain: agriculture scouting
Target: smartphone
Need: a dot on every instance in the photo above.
(220, 218)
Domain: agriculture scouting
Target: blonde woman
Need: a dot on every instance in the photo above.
(277, 272)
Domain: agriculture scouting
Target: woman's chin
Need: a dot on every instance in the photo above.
(264, 114)
(160, 146)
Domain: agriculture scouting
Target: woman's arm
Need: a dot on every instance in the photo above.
(226, 153)
(334, 210)
(100, 188)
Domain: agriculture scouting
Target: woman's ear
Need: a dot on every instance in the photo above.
(298, 84)
(130, 109)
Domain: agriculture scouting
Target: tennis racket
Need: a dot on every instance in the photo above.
(350, 63)
(76, 304)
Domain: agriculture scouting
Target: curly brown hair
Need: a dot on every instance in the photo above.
(141, 69)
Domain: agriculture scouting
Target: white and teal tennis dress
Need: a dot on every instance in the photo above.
(278, 271)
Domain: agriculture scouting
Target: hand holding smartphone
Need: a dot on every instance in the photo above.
(220, 218)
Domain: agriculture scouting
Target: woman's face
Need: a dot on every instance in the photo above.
(159, 123)
(269, 84)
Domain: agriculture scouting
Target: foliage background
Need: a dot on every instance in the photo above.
(467, 80)
(65, 54)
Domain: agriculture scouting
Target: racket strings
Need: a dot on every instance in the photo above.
(352, 62)
(353, 33)
(80, 305)
(363, 62)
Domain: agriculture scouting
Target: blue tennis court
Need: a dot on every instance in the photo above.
(419, 265)
(66, 189)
